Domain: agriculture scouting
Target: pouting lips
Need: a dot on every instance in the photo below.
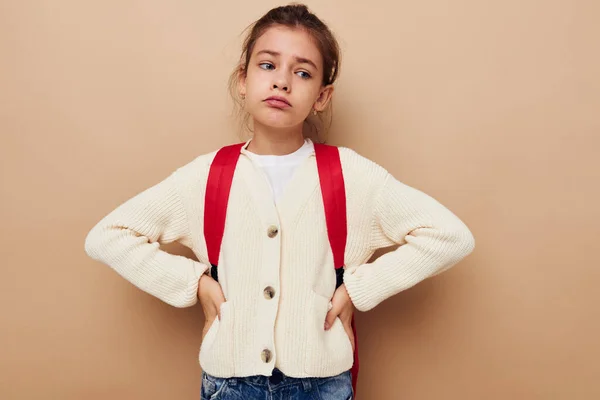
(278, 102)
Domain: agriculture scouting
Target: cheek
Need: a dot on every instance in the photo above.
(308, 93)
(256, 80)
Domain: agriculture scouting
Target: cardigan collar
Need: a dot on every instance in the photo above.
(244, 148)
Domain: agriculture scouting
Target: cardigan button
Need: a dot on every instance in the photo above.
(269, 292)
(265, 355)
(272, 231)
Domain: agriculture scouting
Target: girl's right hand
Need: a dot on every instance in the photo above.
(211, 297)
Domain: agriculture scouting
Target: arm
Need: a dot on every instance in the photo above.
(431, 239)
(128, 240)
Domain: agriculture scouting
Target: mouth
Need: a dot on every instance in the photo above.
(277, 102)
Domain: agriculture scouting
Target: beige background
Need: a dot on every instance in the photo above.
(489, 106)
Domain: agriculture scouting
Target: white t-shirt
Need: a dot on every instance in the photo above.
(280, 169)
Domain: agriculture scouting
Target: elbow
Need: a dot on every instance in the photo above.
(461, 243)
(467, 241)
(93, 243)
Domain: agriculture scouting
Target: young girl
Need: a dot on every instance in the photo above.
(277, 325)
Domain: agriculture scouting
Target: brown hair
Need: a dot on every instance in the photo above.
(293, 16)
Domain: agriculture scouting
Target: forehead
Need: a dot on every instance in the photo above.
(290, 42)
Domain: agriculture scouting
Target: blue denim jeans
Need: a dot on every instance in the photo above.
(277, 387)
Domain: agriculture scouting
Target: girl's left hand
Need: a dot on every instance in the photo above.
(343, 308)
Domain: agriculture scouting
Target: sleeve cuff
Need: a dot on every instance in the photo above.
(192, 289)
(359, 296)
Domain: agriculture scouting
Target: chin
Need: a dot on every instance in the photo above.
(277, 120)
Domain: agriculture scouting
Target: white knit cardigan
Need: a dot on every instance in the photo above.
(255, 332)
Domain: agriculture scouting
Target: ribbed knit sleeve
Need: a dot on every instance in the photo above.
(128, 240)
(431, 239)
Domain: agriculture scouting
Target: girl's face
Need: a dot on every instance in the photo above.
(283, 81)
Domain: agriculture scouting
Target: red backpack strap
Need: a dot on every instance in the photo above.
(216, 198)
(334, 200)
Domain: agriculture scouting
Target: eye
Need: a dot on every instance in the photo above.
(266, 66)
(303, 74)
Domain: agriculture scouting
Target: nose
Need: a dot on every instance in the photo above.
(281, 82)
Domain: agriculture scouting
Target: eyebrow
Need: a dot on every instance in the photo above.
(300, 60)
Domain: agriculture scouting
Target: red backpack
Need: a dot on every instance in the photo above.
(334, 200)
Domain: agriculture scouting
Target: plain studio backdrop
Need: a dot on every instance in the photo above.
(491, 107)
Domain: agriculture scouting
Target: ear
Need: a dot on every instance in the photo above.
(324, 98)
(242, 81)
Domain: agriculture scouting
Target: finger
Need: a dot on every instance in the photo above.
(207, 324)
(220, 294)
(330, 318)
(219, 310)
(350, 334)
(337, 304)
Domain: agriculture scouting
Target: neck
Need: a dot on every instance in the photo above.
(277, 142)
